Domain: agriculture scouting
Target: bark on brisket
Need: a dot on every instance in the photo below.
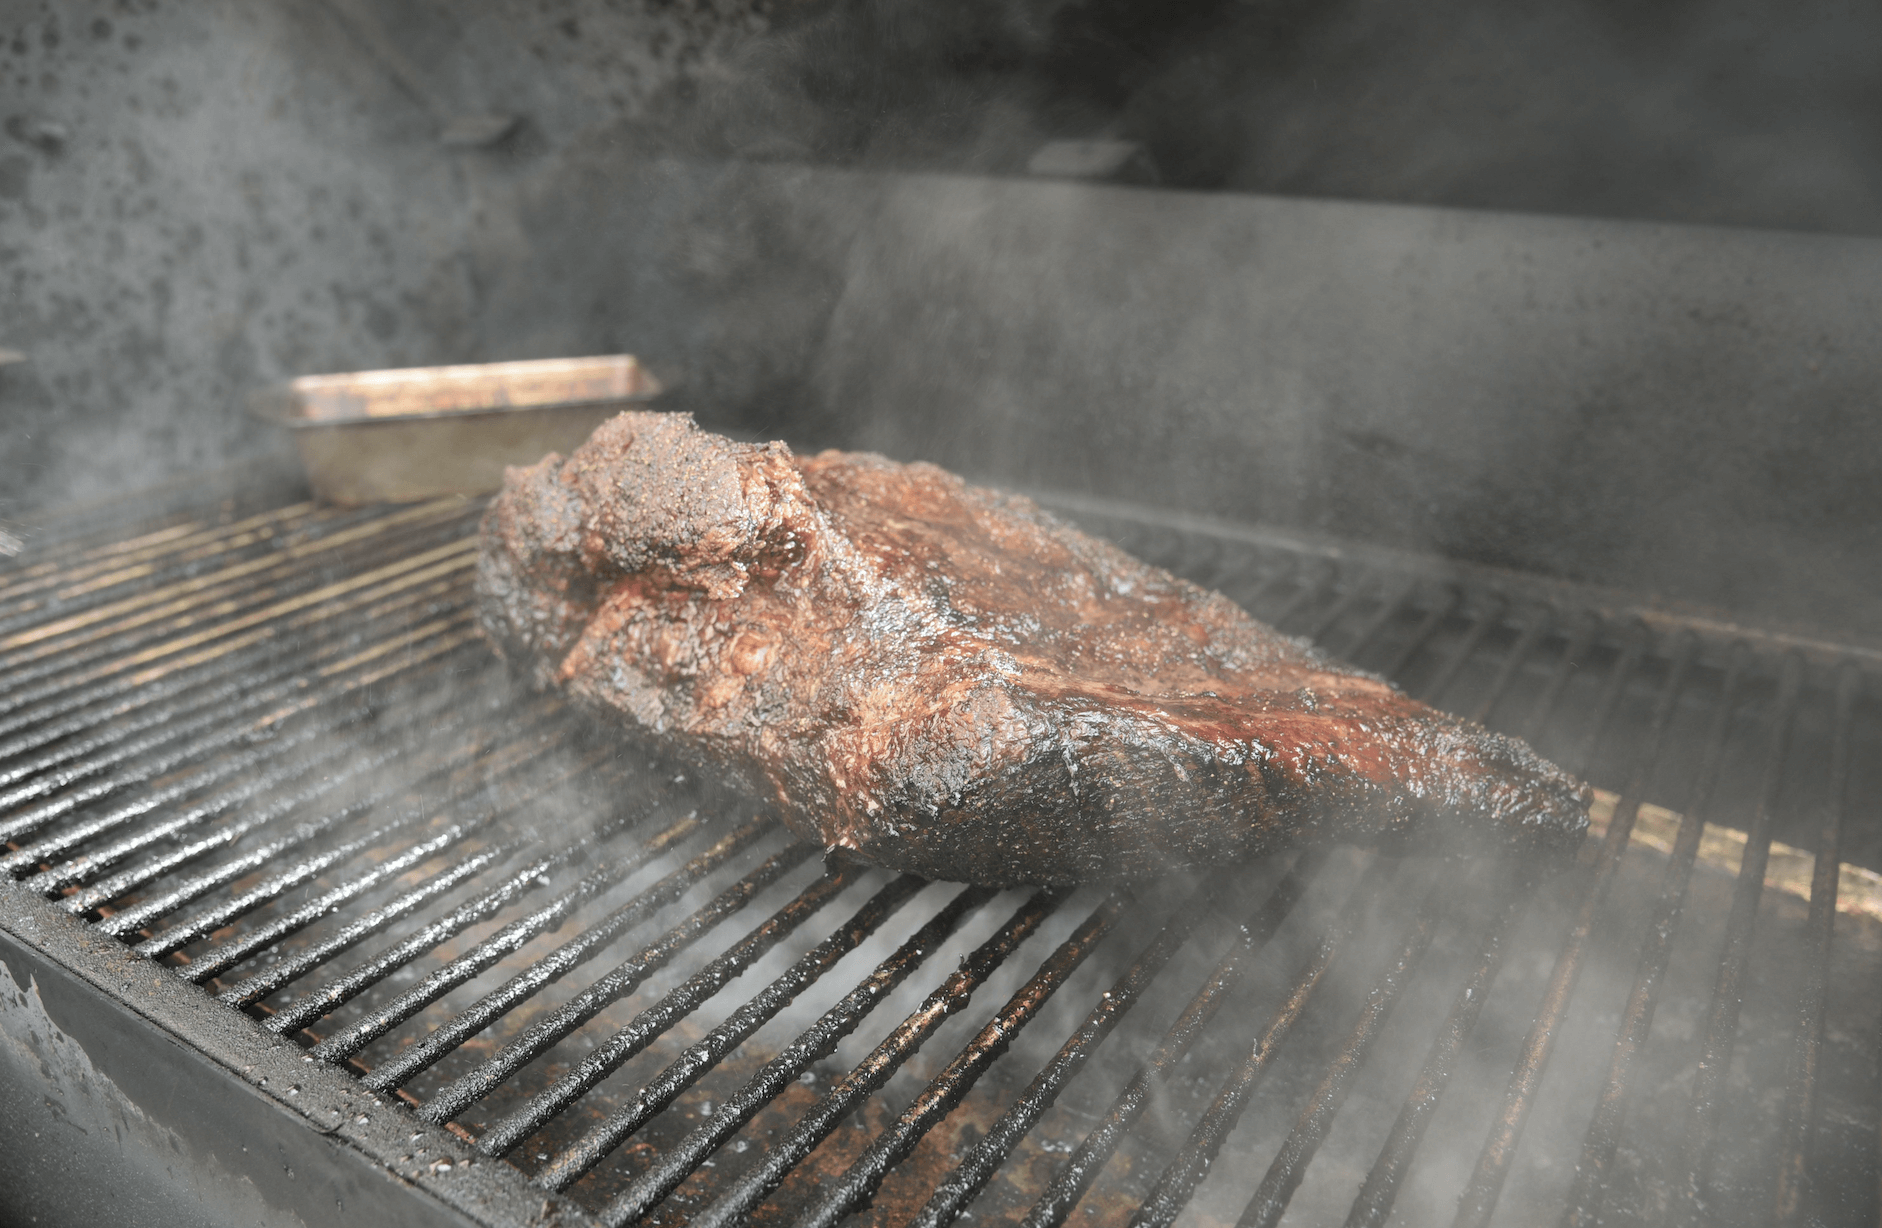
(948, 680)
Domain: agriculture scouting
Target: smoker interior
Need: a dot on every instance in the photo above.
(255, 748)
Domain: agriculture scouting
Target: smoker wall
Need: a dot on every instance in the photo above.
(196, 199)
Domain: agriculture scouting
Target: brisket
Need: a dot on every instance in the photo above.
(945, 679)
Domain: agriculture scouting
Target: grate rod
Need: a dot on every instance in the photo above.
(136, 557)
(1333, 613)
(253, 989)
(697, 1059)
(1728, 991)
(1311, 590)
(172, 663)
(1075, 1176)
(1193, 556)
(272, 781)
(172, 722)
(220, 958)
(121, 647)
(1586, 628)
(1250, 597)
(1656, 950)
(86, 587)
(1800, 1097)
(1480, 1194)
(59, 588)
(109, 752)
(1284, 1175)
(271, 784)
(1390, 607)
(358, 764)
(438, 639)
(546, 1031)
(59, 637)
(1532, 633)
(207, 619)
(293, 1016)
(677, 1162)
(1374, 1205)
(946, 1090)
(884, 1060)
(960, 1186)
(24, 858)
(503, 1136)
(117, 885)
(138, 915)
(53, 560)
(1428, 627)
(174, 938)
(91, 530)
(511, 937)
(212, 677)
(1482, 625)
(1185, 1171)
(1610, 701)
(212, 544)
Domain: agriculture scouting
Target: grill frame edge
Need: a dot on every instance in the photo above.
(298, 1148)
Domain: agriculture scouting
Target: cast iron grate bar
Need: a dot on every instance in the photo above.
(505, 1135)
(1265, 1209)
(1603, 1134)
(1186, 1170)
(697, 1059)
(1499, 1149)
(210, 678)
(1728, 992)
(365, 763)
(947, 1089)
(966, 1180)
(848, 1093)
(1074, 1178)
(514, 936)
(321, 1002)
(678, 1162)
(179, 664)
(1374, 1203)
(214, 916)
(1800, 1097)
(618, 983)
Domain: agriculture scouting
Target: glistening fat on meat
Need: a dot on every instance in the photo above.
(945, 679)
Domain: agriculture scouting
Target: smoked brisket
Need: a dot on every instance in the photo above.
(945, 679)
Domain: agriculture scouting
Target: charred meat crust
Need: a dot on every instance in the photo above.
(946, 679)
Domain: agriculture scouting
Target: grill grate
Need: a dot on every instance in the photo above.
(264, 748)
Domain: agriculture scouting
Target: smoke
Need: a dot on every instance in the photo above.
(229, 202)
(1699, 112)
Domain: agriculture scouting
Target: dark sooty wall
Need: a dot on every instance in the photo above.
(196, 199)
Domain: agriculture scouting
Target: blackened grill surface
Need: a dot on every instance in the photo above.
(264, 747)
(946, 680)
